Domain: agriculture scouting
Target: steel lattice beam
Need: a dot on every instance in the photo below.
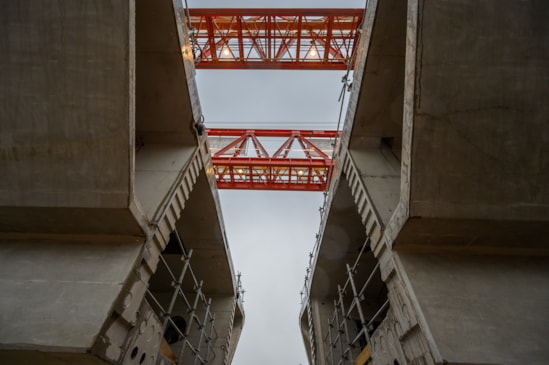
(241, 160)
(322, 39)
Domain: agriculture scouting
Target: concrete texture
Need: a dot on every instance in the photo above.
(156, 170)
(11, 357)
(477, 151)
(462, 242)
(474, 136)
(167, 104)
(342, 238)
(480, 126)
(66, 115)
(380, 170)
(72, 221)
(483, 309)
(66, 102)
(99, 158)
(378, 112)
(518, 236)
(201, 229)
(58, 294)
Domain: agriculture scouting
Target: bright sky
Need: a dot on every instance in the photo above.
(271, 233)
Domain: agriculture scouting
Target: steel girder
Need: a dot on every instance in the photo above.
(303, 161)
(322, 39)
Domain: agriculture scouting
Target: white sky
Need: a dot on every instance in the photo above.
(271, 233)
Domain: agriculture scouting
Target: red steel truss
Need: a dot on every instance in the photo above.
(322, 39)
(302, 162)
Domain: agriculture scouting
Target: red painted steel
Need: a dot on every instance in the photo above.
(234, 169)
(321, 39)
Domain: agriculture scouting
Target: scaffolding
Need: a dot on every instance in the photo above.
(186, 312)
(350, 325)
(345, 343)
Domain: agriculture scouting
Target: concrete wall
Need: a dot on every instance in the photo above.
(47, 358)
(167, 104)
(378, 109)
(374, 117)
(480, 132)
(201, 229)
(339, 244)
(157, 168)
(56, 295)
(483, 309)
(66, 104)
(322, 311)
(469, 79)
(379, 168)
(99, 156)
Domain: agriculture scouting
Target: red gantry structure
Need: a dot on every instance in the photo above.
(295, 39)
(256, 159)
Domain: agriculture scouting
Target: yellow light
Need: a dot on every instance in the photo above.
(300, 172)
(226, 51)
(240, 171)
(312, 52)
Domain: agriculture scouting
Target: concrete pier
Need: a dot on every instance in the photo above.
(443, 176)
(106, 191)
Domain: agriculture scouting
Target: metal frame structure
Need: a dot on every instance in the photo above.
(200, 331)
(322, 39)
(349, 329)
(235, 168)
(343, 343)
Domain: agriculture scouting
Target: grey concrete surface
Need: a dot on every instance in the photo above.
(343, 236)
(65, 91)
(166, 101)
(98, 103)
(475, 134)
(459, 251)
(378, 110)
(483, 309)
(58, 294)
(157, 167)
(12, 357)
(495, 236)
(201, 229)
(380, 170)
(72, 221)
(480, 144)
